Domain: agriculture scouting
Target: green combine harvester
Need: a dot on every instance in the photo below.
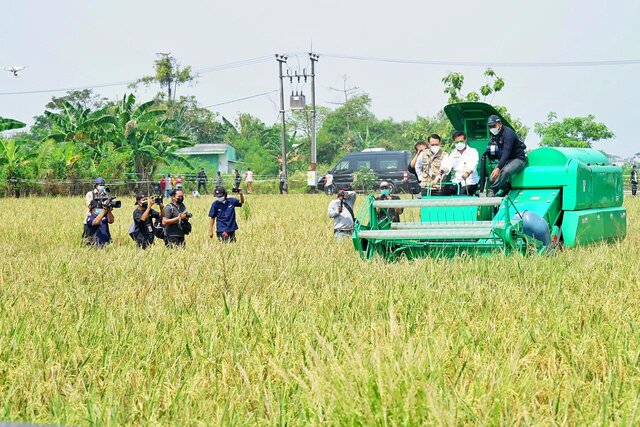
(565, 197)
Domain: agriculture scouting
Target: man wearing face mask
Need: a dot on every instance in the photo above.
(143, 217)
(392, 213)
(428, 168)
(419, 147)
(223, 215)
(99, 190)
(97, 225)
(511, 152)
(176, 220)
(463, 161)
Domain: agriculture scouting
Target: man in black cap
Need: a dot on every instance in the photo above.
(176, 220)
(223, 215)
(511, 152)
(144, 230)
(202, 181)
(97, 224)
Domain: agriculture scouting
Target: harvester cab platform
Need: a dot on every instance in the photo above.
(564, 197)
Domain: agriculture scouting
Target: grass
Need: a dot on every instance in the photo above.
(288, 327)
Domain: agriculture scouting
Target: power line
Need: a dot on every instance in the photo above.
(221, 67)
(242, 99)
(487, 64)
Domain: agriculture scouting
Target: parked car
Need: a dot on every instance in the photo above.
(386, 165)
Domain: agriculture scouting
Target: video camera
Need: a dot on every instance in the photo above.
(157, 200)
(108, 202)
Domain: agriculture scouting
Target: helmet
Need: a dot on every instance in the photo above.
(385, 184)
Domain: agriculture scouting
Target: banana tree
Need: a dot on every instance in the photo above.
(146, 136)
(10, 124)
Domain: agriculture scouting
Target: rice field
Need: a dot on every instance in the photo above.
(288, 327)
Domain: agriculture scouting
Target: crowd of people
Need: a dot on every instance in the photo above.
(431, 165)
(170, 224)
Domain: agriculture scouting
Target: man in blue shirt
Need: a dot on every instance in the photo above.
(224, 211)
(98, 222)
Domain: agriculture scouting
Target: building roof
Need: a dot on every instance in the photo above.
(204, 149)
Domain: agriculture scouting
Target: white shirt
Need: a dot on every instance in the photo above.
(461, 163)
(249, 176)
(328, 179)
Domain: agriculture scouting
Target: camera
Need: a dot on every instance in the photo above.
(189, 215)
(108, 202)
(235, 190)
(157, 200)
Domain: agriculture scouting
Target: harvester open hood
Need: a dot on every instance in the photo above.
(475, 111)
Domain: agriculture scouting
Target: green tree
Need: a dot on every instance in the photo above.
(453, 83)
(424, 126)
(85, 99)
(571, 131)
(146, 136)
(202, 125)
(257, 145)
(168, 74)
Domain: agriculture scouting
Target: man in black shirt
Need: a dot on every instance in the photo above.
(634, 180)
(143, 218)
(175, 220)
(202, 181)
(510, 151)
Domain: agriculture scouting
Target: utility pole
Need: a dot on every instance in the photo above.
(313, 167)
(281, 60)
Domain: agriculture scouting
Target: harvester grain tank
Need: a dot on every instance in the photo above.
(565, 197)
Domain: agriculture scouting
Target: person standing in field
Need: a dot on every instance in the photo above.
(176, 220)
(144, 231)
(634, 180)
(341, 211)
(168, 186)
(99, 190)
(248, 177)
(223, 215)
(329, 187)
(237, 178)
(98, 220)
(163, 185)
(202, 181)
(178, 183)
(218, 179)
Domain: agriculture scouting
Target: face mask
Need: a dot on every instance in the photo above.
(495, 130)
(220, 199)
(385, 192)
(180, 199)
(101, 188)
(434, 149)
(460, 146)
(98, 210)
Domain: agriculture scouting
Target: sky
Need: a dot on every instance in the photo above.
(83, 43)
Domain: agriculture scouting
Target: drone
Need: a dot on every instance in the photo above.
(15, 70)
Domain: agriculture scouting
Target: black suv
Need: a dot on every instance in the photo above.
(388, 166)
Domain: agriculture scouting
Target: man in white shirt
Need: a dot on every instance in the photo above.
(248, 178)
(341, 211)
(464, 163)
(329, 188)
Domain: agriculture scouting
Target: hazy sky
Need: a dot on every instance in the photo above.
(88, 42)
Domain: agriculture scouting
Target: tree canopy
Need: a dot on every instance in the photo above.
(579, 132)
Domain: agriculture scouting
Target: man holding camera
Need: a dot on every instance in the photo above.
(341, 210)
(97, 224)
(143, 217)
(176, 220)
(99, 190)
(223, 215)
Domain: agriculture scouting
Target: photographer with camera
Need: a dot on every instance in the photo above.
(99, 190)
(145, 230)
(176, 220)
(223, 215)
(341, 210)
(97, 224)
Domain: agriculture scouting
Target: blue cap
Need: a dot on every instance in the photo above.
(100, 181)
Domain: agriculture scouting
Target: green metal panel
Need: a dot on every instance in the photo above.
(593, 225)
(231, 153)
(544, 202)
